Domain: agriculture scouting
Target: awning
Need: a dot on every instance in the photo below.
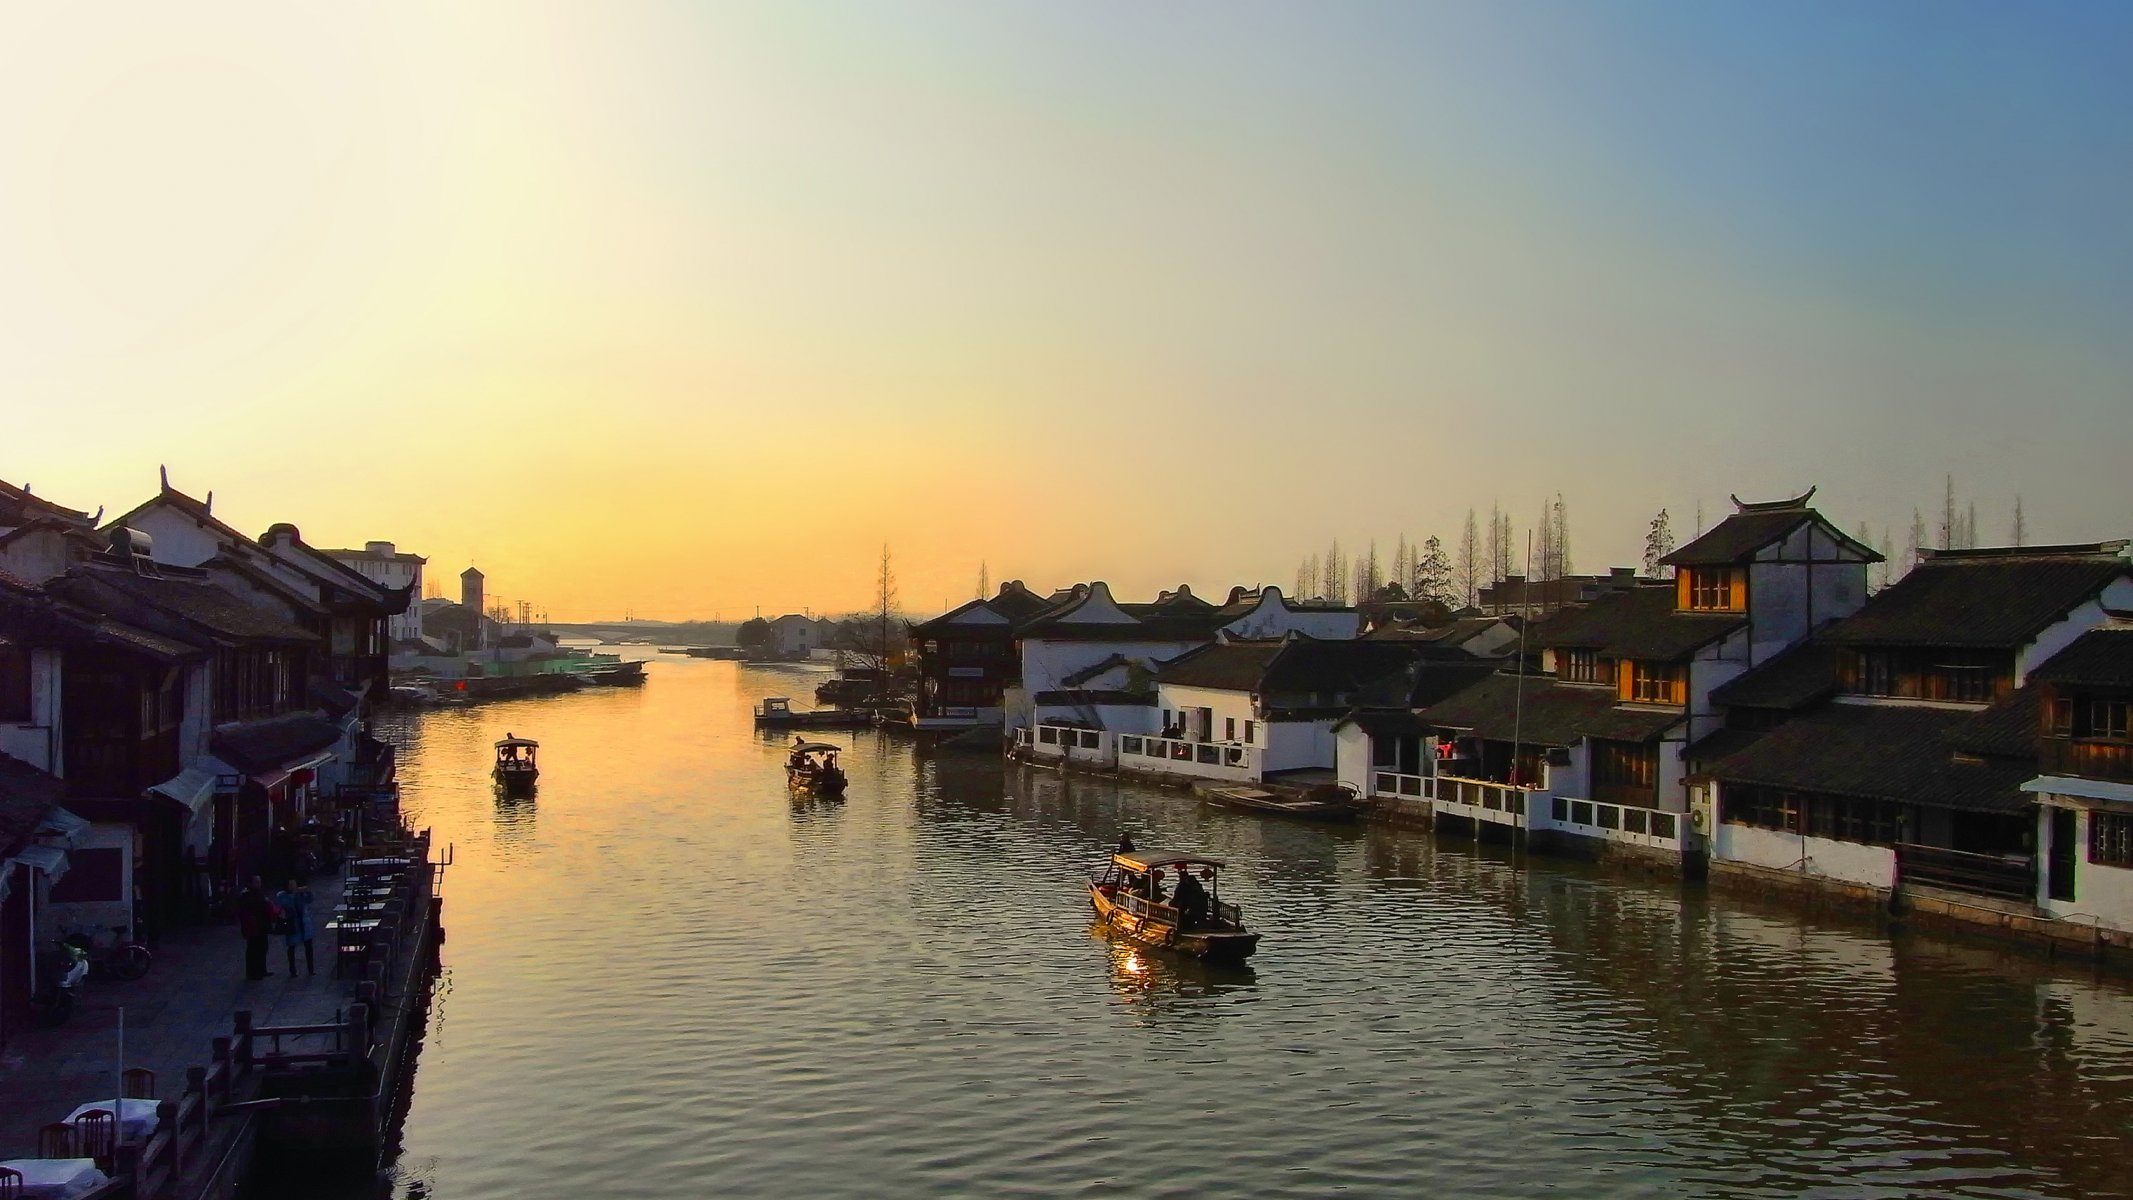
(49, 859)
(193, 787)
(59, 823)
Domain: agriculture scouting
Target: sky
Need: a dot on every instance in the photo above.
(688, 309)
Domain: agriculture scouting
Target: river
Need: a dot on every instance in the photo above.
(665, 977)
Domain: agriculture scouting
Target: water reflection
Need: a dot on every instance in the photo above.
(737, 990)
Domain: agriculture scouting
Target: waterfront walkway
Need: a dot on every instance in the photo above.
(172, 1015)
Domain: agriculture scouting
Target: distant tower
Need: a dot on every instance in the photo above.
(470, 599)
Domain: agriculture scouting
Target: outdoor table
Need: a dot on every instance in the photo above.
(352, 940)
(381, 864)
(57, 1178)
(136, 1118)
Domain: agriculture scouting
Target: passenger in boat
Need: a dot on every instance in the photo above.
(1191, 900)
(1154, 892)
(1125, 842)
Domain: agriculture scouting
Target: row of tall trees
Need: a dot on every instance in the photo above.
(1427, 570)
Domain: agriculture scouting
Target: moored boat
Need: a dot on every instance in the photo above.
(516, 771)
(1320, 804)
(812, 767)
(1129, 897)
(777, 712)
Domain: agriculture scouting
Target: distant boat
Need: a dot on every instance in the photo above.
(516, 772)
(725, 652)
(777, 712)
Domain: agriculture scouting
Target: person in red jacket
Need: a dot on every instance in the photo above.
(255, 920)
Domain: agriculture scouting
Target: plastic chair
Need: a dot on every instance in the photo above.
(10, 1184)
(137, 1083)
(97, 1131)
(58, 1140)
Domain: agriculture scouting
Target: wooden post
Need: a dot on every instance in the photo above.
(222, 1055)
(167, 1125)
(359, 1031)
(243, 1041)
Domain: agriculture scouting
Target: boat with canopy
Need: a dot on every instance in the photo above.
(1130, 897)
(812, 767)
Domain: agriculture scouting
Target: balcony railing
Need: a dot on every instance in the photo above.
(1232, 756)
(1392, 783)
(2086, 759)
(1615, 822)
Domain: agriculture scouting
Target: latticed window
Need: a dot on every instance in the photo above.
(1656, 683)
(1582, 666)
(1764, 808)
(1714, 588)
(2111, 839)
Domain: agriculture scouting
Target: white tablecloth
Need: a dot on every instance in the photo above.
(137, 1120)
(56, 1178)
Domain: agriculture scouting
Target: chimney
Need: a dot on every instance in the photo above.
(378, 549)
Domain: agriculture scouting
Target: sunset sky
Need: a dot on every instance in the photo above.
(687, 309)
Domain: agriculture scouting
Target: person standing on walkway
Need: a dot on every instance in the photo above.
(295, 904)
(255, 919)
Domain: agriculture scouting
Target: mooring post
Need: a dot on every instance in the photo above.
(167, 1122)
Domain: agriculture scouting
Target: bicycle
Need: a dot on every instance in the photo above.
(123, 958)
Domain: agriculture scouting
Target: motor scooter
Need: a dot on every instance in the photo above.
(59, 976)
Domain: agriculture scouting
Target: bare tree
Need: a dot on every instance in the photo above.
(1544, 551)
(1466, 576)
(1499, 543)
(1880, 574)
(1306, 578)
(1336, 574)
(1699, 517)
(1970, 527)
(1658, 543)
(2020, 533)
(984, 579)
(1948, 528)
(1368, 577)
(1911, 551)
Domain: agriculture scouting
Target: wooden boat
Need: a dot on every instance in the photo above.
(1119, 893)
(777, 712)
(1321, 804)
(812, 767)
(516, 771)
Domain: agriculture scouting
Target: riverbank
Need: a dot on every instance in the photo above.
(306, 1066)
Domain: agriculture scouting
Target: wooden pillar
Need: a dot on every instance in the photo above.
(242, 1044)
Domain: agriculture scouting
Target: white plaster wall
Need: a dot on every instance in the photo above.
(35, 556)
(1673, 775)
(1236, 706)
(36, 741)
(1839, 586)
(1351, 758)
(2103, 894)
(179, 540)
(2056, 637)
(1295, 745)
(98, 917)
(1047, 662)
(1713, 666)
(1850, 862)
(1777, 607)
(1273, 617)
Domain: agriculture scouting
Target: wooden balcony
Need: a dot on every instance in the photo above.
(2085, 758)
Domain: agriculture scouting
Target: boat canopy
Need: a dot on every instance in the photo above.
(1147, 860)
(816, 748)
(509, 740)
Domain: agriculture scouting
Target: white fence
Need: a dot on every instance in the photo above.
(1177, 756)
(1533, 809)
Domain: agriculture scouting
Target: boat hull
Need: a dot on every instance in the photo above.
(517, 783)
(1210, 945)
(1255, 800)
(815, 720)
(815, 782)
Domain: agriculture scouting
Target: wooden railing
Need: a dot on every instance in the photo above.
(2007, 877)
(2087, 759)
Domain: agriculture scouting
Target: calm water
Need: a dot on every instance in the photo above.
(666, 978)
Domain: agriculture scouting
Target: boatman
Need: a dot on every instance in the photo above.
(1190, 898)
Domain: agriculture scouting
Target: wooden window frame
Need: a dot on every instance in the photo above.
(1581, 666)
(1714, 589)
(1647, 682)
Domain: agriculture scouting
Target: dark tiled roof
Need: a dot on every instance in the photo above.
(2098, 658)
(1553, 714)
(1018, 603)
(1984, 599)
(1793, 680)
(1081, 696)
(35, 616)
(946, 622)
(19, 507)
(26, 794)
(184, 504)
(1379, 723)
(196, 602)
(1290, 666)
(1715, 746)
(1074, 679)
(1638, 622)
(1738, 537)
(270, 745)
(1884, 752)
(2008, 729)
